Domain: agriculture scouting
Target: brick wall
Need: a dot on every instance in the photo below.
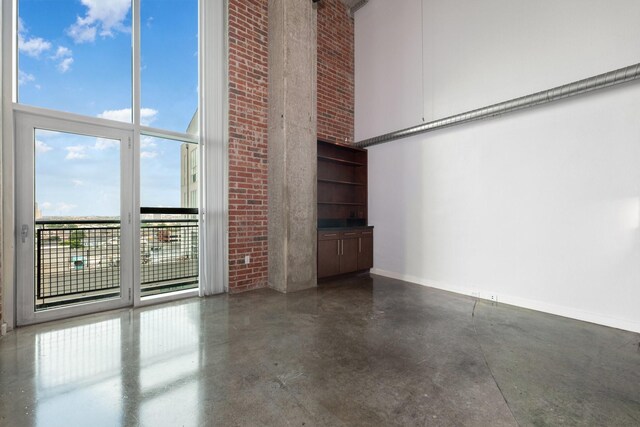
(335, 71)
(248, 77)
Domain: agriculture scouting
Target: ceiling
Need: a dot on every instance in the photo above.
(354, 5)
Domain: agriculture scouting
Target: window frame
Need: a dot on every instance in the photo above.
(212, 112)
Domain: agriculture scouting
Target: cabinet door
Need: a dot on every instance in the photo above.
(328, 258)
(365, 251)
(349, 255)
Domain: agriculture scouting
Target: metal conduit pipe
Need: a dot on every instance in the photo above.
(579, 87)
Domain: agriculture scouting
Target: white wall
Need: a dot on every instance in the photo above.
(539, 207)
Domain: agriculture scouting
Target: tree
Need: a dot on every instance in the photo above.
(76, 239)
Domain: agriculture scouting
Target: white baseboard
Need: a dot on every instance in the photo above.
(542, 306)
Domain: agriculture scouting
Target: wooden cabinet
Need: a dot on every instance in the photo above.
(349, 252)
(345, 241)
(344, 251)
(328, 254)
(365, 250)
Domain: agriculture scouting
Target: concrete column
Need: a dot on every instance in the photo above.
(292, 145)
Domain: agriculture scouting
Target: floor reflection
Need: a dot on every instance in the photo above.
(137, 367)
(362, 351)
(169, 360)
(79, 367)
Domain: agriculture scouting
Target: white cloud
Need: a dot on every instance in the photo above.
(76, 152)
(147, 115)
(81, 34)
(147, 141)
(65, 56)
(65, 65)
(105, 144)
(102, 17)
(123, 115)
(77, 182)
(148, 154)
(33, 46)
(24, 78)
(62, 52)
(147, 146)
(42, 147)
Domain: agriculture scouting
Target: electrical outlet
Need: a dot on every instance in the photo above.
(247, 259)
(492, 297)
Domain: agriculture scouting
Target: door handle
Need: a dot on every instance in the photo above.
(24, 232)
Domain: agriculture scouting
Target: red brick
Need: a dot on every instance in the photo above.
(248, 111)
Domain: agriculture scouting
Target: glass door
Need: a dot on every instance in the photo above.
(74, 218)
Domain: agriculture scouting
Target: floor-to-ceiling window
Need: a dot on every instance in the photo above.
(107, 136)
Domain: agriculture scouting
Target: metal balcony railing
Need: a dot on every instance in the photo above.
(169, 254)
(80, 259)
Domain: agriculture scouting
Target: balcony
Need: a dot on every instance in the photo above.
(79, 260)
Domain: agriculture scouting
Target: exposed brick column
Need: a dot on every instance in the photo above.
(248, 78)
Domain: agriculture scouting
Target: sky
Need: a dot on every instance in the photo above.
(75, 56)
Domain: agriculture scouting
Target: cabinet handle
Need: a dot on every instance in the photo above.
(349, 234)
(359, 244)
(338, 242)
(342, 244)
(329, 235)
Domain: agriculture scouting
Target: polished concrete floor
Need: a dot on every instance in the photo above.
(367, 351)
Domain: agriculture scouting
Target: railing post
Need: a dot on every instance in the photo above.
(39, 261)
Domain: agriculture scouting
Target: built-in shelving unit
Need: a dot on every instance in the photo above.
(332, 181)
(341, 203)
(342, 185)
(341, 161)
(345, 240)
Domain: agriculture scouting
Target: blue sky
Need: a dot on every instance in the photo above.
(75, 56)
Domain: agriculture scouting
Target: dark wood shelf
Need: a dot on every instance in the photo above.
(333, 181)
(340, 161)
(342, 203)
(342, 176)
